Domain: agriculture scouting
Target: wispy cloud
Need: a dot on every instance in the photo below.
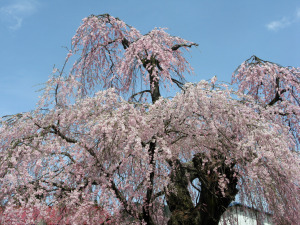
(284, 22)
(298, 13)
(16, 11)
(279, 24)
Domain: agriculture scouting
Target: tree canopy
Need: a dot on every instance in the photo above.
(99, 148)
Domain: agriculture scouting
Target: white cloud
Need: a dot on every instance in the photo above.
(284, 22)
(14, 13)
(279, 24)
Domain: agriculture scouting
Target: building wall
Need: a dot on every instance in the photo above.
(241, 215)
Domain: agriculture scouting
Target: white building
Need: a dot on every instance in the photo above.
(243, 215)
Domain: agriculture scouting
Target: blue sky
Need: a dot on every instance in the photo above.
(33, 34)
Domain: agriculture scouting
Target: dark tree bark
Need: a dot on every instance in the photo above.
(146, 210)
(155, 94)
(178, 197)
(212, 204)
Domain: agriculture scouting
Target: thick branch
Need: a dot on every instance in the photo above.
(146, 210)
(122, 199)
(138, 93)
(57, 131)
(178, 83)
(277, 97)
(125, 43)
(177, 46)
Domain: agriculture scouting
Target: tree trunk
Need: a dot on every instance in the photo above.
(155, 94)
(212, 204)
(179, 199)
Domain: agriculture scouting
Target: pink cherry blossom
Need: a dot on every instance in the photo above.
(93, 152)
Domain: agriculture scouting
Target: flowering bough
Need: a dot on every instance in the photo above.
(90, 156)
(272, 85)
